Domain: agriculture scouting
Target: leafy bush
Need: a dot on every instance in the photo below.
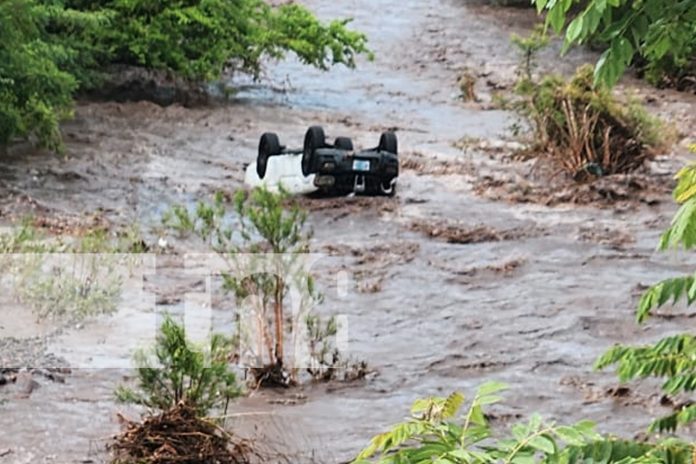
(177, 372)
(50, 49)
(182, 382)
(197, 39)
(584, 128)
(673, 358)
(262, 252)
(661, 32)
(437, 433)
(36, 85)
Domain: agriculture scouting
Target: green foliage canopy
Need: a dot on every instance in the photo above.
(36, 82)
(662, 32)
(196, 39)
(51, 48)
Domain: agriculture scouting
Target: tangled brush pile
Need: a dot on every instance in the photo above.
(178, 435)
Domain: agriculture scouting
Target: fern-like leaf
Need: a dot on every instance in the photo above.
(398, 435)
(673, 290)
(452, 405)
(616, 451)
(683, 416)
(683, 229)
(686, 181)
(673, 358)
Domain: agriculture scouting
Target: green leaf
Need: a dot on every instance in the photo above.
(520, 432)
(587, 428)
(543, 444)
(489, 388)
(452, 405)
(556, 18)
(522, 458)
(489, 399)
(569, 435)
(477, 416)
(574, 30)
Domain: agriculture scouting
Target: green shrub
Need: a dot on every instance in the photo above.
(73, 289)
(198, 39)
(263, 246)
(67, 278)
(49, 49)
(660, 32)
(176, 371)
(437, 432)
(36, 85)
(269, 225)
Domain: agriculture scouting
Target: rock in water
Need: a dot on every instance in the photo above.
(25, 385)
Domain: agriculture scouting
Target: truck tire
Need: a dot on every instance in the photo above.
(388, 143)
(314, 138)
(343, 143)
(269, 145)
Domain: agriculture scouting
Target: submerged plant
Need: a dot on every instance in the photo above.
(326, 362)
(263, 247)
(181, 383)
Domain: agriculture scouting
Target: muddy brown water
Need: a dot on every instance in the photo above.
(532, 305)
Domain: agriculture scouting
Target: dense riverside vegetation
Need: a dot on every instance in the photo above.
(49, 49)
(659, 34)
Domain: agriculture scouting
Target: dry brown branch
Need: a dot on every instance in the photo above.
(178, 436)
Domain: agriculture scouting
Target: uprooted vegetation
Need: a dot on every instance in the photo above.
(458, 233)
(584, 130)
(177, 435)
(585, 144)
(621, 191)
(184, 383)
(371, 266)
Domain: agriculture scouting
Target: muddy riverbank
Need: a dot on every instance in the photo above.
(451, 285)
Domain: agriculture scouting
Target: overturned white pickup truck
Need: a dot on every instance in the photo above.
(332, 168)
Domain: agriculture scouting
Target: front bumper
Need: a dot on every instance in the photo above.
(354, 182)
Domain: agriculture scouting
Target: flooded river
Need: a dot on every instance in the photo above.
(531, 304)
